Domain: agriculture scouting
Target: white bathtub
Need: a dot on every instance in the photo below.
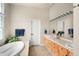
(12, 49)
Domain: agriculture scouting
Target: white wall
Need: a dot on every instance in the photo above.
(76, 31)
(22, 13)
(57, 10)
(21, 17)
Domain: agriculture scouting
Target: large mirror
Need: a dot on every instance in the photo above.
(64, 24)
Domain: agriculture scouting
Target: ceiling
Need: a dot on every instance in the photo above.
(35, 4)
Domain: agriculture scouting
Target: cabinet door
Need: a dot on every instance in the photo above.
(65, 53)
(45, 41)
(49, 45)
(52, 47)
(55, 49)
(70, 53)
(62, 51)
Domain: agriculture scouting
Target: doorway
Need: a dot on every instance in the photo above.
(35, 32)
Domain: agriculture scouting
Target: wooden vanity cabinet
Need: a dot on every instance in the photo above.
(55, 49)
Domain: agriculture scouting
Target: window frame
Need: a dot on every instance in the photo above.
(2, 20)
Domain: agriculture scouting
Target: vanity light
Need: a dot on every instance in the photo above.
(63, 15)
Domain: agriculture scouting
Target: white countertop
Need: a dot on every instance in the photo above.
(62, 42)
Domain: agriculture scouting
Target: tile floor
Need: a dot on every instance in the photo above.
(37, 50)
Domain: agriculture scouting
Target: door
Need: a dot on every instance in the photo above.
(35, 32)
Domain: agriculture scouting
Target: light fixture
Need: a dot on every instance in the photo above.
(63, 15)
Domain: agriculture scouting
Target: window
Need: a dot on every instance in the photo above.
(1, 20)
